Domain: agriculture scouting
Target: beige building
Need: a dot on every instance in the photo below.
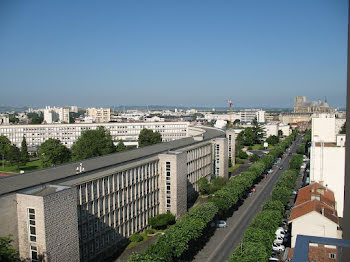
(99, 115)
(301, 105)
(4, 119)
(64, 214)
(68, 133)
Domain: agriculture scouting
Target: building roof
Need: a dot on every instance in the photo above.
(318, 198)
(318, 254)
(94, 165)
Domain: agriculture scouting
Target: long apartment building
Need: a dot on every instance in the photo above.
(85, 210)
(68, 133)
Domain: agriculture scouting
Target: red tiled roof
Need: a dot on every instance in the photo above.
(326, 196)
(306, 202)
(318, 254)
(317, 206)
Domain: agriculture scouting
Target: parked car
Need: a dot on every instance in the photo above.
(278, 240)
(277, 247)
(281, 168)
(219, 224)
(283, 223)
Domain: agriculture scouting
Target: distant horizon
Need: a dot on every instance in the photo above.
(196, 53)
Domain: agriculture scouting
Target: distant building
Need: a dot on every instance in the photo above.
(69, 133)
(99, 115)
(303, 106)
(4, 119)
(56, 114)
(270, 129)
(74, 109)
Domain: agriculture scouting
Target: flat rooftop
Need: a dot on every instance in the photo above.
(98, 164)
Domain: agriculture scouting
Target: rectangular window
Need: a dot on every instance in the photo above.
(33, 253)
(31, 222)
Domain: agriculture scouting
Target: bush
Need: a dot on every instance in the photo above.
(239, 161)
(242, 154)
(217, 183)
(136, 237)
(161, 221)
(150, 231)
(254, 158)
(204, 186)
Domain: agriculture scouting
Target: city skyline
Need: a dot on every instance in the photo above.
(186, 54)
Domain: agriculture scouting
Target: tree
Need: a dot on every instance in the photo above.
(4, 145)
(52, 152)
(258, 131)
(272, 140)
(204, 186)
(246, 137)
(254, 158)
(236, 122)
(93, 143)
(7, 252)
(280, 133)
(148, 137)
(13, 155)
(24, 152)
(35, 118)
(161, 221)
(242, 154)
(13, 119)
(343, 129)
(121, 147)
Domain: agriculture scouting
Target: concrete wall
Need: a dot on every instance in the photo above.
(178, 183)
(8, 218)
(24, 202)
(221, 159)
(61, 226)
(323, 129)
(313, 224)
(328, 165)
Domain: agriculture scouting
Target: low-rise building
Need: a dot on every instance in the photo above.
(314, 213)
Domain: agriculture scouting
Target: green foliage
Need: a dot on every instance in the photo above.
(239, 161)
(136, 237)
(247, 137)
(161, 221)
(4, 145)
(254, 158)
(150, 231)
(295, 162)
(258, 235)
(274, 205)
(343, 129)
(7, 252)
(242, 155)
(35, 118)
(148, 137)
(175, 242)
(24, 158)
(281, 193)
(280, 133)
(52, 152)
(13, 155)
(135, 257)
(121, 147)
(217, 183)
(272, 140)
(13, 119)
(258, 131)
(250, 252)
(93, 143)
(229, 162)
(204, 186)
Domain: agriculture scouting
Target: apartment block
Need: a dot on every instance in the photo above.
(66, 215)
(68, 133)
(99, 115)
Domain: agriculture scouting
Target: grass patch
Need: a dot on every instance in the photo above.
(233, 168)
(30, 166)
(258, 147)
(145, 238)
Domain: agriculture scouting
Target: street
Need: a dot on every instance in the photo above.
(222, 244)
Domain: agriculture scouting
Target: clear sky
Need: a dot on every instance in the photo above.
(184, 53)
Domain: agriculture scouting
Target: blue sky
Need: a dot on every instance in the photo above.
(183, 53)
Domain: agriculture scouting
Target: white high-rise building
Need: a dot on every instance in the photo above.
(99, 115)
(327, 157)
